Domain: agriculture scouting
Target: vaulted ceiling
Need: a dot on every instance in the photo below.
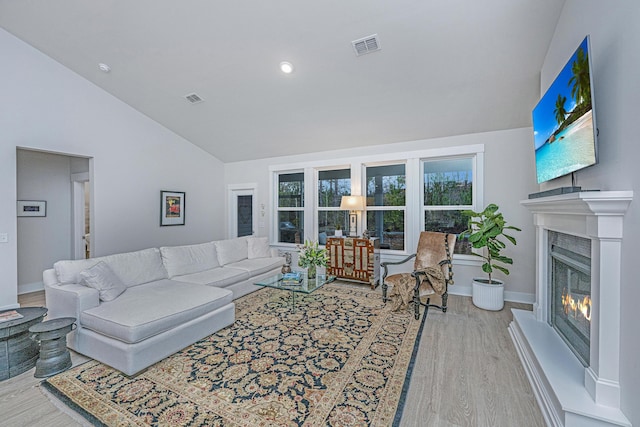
(445, 67)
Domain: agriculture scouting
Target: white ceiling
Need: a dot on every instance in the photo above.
(446, 67)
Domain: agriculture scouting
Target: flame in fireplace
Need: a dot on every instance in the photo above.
(574, 306)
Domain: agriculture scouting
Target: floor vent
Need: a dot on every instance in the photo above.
(193, 98)
(366, 45)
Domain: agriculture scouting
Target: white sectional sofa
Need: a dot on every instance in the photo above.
(134, 309)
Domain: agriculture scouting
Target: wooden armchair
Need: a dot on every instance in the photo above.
(434, 250)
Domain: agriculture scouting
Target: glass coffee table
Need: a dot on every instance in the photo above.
(306, 286)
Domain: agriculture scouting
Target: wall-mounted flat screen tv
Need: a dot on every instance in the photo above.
(564, 120)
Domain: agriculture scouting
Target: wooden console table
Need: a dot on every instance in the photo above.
(356, 259)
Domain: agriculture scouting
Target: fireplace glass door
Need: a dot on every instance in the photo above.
(570, 291)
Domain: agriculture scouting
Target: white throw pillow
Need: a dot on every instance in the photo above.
(133, 268)
(180, 260)
(232, 250)
(104, 280)
(68, 271)
(258, 247)
(136, 268)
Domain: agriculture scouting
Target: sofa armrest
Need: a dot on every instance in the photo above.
(69, 300)
(49, 277)
(273, 252)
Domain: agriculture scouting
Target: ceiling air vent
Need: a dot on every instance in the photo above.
(193, 98)
(366, 45)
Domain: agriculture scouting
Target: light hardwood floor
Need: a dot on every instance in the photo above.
(467, 373)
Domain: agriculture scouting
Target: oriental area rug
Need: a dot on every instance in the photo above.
(343, 358)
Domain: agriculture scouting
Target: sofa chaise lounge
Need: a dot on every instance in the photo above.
(134, 309)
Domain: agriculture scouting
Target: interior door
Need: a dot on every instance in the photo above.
(242, 213)
(80, 214)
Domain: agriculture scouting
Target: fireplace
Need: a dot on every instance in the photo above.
(570, 291)
(570, 344)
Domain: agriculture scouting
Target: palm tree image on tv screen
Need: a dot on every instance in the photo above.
(563, 121)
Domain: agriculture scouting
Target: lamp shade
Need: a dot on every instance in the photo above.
(352, 203)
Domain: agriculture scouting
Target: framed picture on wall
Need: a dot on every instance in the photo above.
(32, 208)
(172, 208)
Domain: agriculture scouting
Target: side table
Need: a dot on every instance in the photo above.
(54, 355)
(18, 353)
(353, 258)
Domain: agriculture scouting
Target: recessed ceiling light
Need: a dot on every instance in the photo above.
(286, 67)
(104, 67)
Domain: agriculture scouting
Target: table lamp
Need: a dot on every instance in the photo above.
(353, 204)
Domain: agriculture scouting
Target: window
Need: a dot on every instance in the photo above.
(406, 193)
(447, 191)
(290, 207)
(332, 185)
(386, 204)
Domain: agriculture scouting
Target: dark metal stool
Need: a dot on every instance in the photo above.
(54, 355)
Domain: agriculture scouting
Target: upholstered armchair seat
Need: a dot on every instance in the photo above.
(432, 269)
(399, 278)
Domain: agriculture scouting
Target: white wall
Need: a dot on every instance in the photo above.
(509, 178)
(43, 241)
(46, 106)
(615, 55)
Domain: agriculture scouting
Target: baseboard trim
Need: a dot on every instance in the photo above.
(27, 288)
(521, 297)
(464, 291)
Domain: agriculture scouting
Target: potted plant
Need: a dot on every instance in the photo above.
(338, 232)
(485, 231)
(312, 256)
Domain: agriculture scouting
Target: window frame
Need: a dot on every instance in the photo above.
(382, 208)
(318, 208)
(432, 208)
(278, 208)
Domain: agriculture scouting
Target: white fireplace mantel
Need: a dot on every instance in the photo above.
(568, 393)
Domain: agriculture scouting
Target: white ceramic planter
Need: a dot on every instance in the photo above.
(486, 296)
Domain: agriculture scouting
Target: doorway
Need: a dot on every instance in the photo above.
(61, 181)
(242, 210)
